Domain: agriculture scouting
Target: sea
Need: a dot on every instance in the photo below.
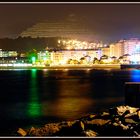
(37, 97)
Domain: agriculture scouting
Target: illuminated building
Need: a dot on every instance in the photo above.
(117, 49)
(124, 47)
(129, 49)
(62, 57)
(57, 57)
(8, 53)
(11, 57)
(43, 58)
(106, 51)
(12, 53)
(131, 45)
(43, 55)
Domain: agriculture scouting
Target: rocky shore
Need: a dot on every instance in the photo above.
(119, 121)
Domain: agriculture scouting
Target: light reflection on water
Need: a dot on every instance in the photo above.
(60, 95)
(135, 75)
(33, 106)
(67, 108)
(73, 96)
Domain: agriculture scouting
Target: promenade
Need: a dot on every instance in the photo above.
(62, 67)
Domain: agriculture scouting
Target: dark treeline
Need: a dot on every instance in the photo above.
(24, 44)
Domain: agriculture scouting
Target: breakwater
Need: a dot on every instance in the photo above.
(118, 121)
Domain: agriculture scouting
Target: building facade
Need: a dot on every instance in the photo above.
(8, 53)
(117, 49)
(131, 46)
(63, 56)
(106, 51)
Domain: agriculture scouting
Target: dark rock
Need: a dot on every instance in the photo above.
(113, 111)
(136, 134)
(47, 130)
(138, 113)
(66, 124)
(136, 128)
(78, 126)
(120, 110)
(74, 128)
(119, 121)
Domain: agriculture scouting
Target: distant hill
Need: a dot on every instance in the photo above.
(24, 44)
(73, 27)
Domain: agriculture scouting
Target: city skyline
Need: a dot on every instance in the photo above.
(105, 22)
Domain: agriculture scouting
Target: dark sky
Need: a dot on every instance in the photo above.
(107, 22)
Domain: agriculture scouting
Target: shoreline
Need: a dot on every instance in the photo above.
(117, 121)
(66, 67)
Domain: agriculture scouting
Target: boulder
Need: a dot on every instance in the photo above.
(90, 133)
(47, 130)
(119, 121)
(120, 110)
(22, 132)
(78, 126)
(98, 122)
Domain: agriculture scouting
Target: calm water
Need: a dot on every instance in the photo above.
(35, 97)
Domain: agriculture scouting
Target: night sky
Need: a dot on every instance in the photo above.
(107, 22)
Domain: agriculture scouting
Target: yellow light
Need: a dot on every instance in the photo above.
(59, 41)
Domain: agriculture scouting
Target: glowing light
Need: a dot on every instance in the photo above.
(33, 107)
(45, 70)
(33, 59)
(65, 70)
(59, 41)
(135, 75)
(75, 44)
(45, 58)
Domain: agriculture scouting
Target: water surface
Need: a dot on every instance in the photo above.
(35, 97)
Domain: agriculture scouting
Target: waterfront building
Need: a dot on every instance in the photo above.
(4, 53)
(43, 58)
(63, 56)
(57, 58)
(43, 55)
(131, 45)
(129, 49)
(12, 53)
(106, 51)
(117, 49)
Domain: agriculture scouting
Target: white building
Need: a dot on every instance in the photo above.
(8, 53)
(62, 57)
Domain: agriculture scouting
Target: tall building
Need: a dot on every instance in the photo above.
(117, 49)
(131, 46)
(106, 51)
